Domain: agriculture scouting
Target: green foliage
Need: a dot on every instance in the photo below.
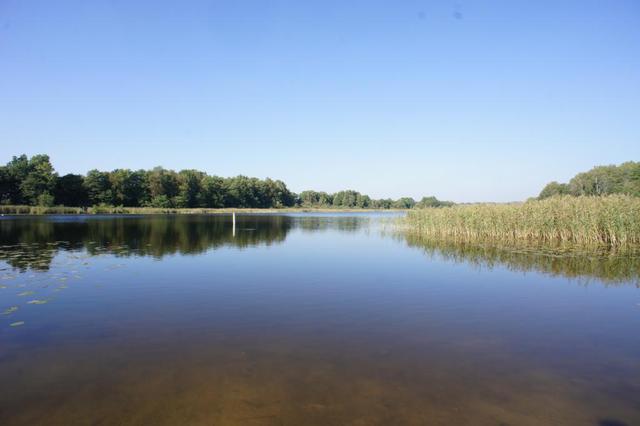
(33, 181)
(601, 180)
(351, 199)
(160, 201)
(27, 181)
(128, 188)
(405, 203)
(5, 186)
(315, 199)
(13, 174)
(427, 202)
(189, 188)
(45, 200)
(354, 199)
(163, 187)
(70, 191)
(385, 203)
(554, 188)
(241, 192)
(277, 194)
(348, 198)
(213, 192)
(98, 187)
(37, 188)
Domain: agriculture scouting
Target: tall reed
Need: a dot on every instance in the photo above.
(36, 210)
(610, 220)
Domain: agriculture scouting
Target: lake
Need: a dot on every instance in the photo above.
(307, 319)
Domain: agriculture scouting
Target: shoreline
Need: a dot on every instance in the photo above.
(11, 210)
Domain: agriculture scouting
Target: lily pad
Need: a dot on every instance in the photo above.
(37, 302)
(10, 310)
(16, 324)
(26, 293)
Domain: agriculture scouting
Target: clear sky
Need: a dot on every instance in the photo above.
(467, 100)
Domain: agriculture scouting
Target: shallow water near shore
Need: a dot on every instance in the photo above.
(306, 319)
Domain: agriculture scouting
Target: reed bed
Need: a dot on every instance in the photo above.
(612, 220)
(36, 210)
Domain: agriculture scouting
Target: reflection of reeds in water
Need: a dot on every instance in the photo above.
(609, 265)
(612, 221)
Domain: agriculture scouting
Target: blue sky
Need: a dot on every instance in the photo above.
(467, 100)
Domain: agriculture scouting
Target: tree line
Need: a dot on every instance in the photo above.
(33, 181)
(601, 180)
(354, 199)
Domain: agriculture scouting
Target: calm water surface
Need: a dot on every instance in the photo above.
(306, 320)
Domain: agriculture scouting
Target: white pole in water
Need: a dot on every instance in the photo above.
(234, 224)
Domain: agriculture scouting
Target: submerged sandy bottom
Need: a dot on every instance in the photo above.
(210, 379)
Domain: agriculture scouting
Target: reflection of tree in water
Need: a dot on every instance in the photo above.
(323, 223)
(33, 242)
(28, 256)
(609, 266)
(162, 235)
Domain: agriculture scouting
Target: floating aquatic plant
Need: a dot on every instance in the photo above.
(10, 310)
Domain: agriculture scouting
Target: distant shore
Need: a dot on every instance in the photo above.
(11, 210)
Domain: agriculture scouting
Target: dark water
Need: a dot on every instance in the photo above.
(307, 320)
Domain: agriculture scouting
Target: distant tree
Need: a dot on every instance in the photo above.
(213, 192)
(160, 201)
(630, 178)
(34, 181)
(39, 183)
(98, 187)
(277, 194)
(554, 188)
(70, 191)
(348, 198)
(426, 202)
(404, 203)
(324, 199)
(363, 201)
(128, 188)
(14, 173)
(163, 187)
(189, 188)
(601, 180)
(315, 199)
(385, 203)
(5, 186)
(240, 192)
(308, 198)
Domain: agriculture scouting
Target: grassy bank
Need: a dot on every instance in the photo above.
(40, 210)
(611, 220)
